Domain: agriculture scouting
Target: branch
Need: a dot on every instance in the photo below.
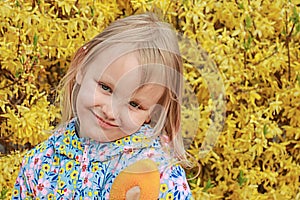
(265, 58)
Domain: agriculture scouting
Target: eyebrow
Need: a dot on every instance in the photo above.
(107, 80)
(142, 99)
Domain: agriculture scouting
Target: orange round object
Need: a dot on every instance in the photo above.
(144, 174)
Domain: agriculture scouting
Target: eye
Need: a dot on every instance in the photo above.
(134, 105)
(105, 87)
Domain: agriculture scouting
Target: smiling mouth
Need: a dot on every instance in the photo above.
(103, 123)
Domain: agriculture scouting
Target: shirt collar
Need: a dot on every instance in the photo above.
(70, 145)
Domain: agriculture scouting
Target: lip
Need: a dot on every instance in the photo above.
(103, 123)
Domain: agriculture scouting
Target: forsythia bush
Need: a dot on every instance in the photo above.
(255, 46)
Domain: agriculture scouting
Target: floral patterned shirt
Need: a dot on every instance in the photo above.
(69, 167)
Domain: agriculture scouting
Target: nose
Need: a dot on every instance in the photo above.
(109, 112)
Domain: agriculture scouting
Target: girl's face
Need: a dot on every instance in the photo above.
(110, 102)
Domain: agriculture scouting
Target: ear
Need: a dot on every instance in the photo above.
(79, 77)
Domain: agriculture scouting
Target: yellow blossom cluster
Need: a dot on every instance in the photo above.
(254, 48)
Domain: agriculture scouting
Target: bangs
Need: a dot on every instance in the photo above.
(162, 68)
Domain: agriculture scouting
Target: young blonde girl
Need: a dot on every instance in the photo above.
(120, 104)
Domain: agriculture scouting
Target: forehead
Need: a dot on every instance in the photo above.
(124, 68)
(149, 94)
(123, 74)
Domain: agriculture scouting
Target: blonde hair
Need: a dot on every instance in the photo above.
(155, 43)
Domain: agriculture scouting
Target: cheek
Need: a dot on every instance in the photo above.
(87, 94)
(134, 119)
(80, 105)
(83, 99)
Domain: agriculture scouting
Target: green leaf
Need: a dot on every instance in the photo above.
(208, 186)
(295, 17)
(265, 129)
(298, 79)
(18, 73)
(191, 178)
(241, 179)
(248, 22)
(241, 6)
(92, 11)
(22, 60)
(34, 59)
(3, 193)
(298, 28)
(35, 41)
(247, 43)
(18, 3)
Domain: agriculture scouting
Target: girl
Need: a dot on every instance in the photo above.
(121, 104)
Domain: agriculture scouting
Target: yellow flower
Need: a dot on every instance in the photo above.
(43, 148)
(30, 153)
(61, 184)
(136, 139)
(46, 167)
(41, 174)
(79, 146)
(28, 194)
(15, 192)
(126, 139)
(62, 147)
(37, 147)
(50, 196)
(90, 193)
(61, 171)
(70, 155)
(26, 159)
(69, 165)
(163, 188)
(66, 140)
(74, 174)
(95, 168)
(60, 191)
(56, 160)
(74, 143)
(72, 133)
(67, 132)
(119, 142)
(169, 196)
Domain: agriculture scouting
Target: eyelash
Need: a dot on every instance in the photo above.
(131, 103)
(136, 105)
(105, 87)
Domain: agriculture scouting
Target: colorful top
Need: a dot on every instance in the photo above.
(69, 167)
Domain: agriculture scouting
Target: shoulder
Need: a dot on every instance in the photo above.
(174, 184)
(43, 150)
(38, 153)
